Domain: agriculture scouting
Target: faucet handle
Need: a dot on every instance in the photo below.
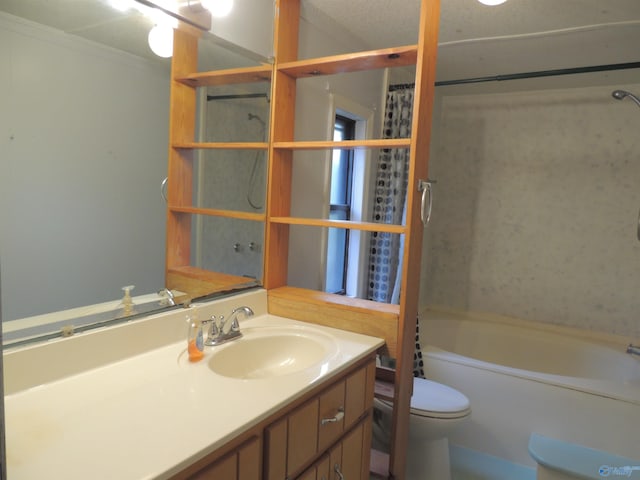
(213, 329)
(235, 325)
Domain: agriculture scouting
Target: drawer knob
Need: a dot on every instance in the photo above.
(339, 416)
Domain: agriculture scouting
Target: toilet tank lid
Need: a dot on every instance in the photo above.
(429, 396)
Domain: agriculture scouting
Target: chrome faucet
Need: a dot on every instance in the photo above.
(217, 334)
(167, 297)
(633, 349)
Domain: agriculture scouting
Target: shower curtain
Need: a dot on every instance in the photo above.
(386, 249)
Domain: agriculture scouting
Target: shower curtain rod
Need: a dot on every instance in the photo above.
(231, 97)
(521, 76)
(541, 73)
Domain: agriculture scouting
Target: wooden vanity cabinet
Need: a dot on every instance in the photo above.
(242, 463)
(327, 428)
(333, 426)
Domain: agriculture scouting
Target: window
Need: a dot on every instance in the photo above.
(340, 207)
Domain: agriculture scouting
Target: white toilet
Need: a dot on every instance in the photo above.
(436, 410)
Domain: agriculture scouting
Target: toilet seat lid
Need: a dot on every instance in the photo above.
(435, 400)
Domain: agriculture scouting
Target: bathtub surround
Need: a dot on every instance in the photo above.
(228, 179)
(537, 207)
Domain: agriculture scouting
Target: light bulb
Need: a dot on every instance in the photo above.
(218, 8)
(161, 40)
(491, 3)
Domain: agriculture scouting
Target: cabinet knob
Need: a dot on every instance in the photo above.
(338, 417)
(336, 468)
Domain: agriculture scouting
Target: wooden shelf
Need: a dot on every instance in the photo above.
(222, 145)
(211, 212)
(231, 76)
(198, 282)
(319, 222)
(351, 62)
(344, 145)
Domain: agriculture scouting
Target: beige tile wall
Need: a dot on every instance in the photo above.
(536, 207)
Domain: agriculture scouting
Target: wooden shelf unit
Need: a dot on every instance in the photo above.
(184, 84)
(288, 69)
(395, 323)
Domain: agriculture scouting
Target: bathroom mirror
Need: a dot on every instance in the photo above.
(475, 41)
(84, 121)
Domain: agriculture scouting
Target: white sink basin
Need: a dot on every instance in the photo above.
(265, 352)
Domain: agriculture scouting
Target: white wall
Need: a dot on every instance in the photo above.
(83, 142)
(536, 207)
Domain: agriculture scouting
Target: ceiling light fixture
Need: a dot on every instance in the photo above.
(218, 8)
(161, 40)
(492, 3)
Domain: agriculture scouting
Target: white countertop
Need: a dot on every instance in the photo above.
(153, 414)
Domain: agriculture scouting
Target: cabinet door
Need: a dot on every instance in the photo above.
(302, 442)
(223, 468)
(323, 469)
(275, 450)
(355, 455)
(250, 461)
(242, 464)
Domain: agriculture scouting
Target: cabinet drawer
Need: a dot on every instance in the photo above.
(331, 418)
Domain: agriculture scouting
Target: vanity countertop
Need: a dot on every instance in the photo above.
(153, 414)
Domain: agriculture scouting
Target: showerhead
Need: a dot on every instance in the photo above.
(621, 94)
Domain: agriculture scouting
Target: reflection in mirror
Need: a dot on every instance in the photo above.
(228, 245)
(85, 154)
(82, 215)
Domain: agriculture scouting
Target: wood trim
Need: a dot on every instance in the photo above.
(223, 145)
(197, 282)
(411, 263)
(351, 314)
(230, 76)
(212, 212)
(347, 224)
(351, 62)
(345, 145)
(182, 117)
(286, 29)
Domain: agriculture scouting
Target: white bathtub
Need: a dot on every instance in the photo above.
(525, 377)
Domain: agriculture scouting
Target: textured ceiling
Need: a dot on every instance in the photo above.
(517, 36)
(475, 40)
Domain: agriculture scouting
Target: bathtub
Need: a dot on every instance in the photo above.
(526, 377)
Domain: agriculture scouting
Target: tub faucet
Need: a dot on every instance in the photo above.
(217, 334)
(633, 349)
